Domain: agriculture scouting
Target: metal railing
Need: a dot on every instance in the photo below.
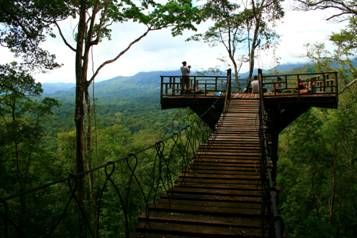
(300, 84)
(271, 194)
(124, 188)
(199, 85)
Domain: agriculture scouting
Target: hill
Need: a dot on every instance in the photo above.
(142, 84)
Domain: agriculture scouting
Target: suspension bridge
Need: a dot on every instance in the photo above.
(192, 184)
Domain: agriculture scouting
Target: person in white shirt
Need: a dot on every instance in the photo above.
(185, 79)
(255, 85)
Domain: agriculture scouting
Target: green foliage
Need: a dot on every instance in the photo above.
(241, 29)
(24, 155)
(124, 124)
(22, 117)
(347, 38)
(25, 25)
(325, 60)
(317, 170)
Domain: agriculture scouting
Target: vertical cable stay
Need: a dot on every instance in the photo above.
(94, 106)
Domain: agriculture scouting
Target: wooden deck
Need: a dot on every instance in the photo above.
(221, 195)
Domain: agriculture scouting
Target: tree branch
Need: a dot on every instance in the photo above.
(325, 4)
(336, 15)
(120, 54)
(348, 86)
(222, 40)
(101, 23)
(63, 38)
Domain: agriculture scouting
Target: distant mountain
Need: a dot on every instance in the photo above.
(52, 88)
(288, 67)
(140, 85)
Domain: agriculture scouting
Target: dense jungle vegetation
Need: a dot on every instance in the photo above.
(83, 164)
(317, 155)
(38, 147)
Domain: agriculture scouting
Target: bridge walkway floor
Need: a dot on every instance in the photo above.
(221, 194)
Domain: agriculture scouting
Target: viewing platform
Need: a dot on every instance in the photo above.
(285, 95)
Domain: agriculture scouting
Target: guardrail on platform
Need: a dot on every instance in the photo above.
(300, 84)
(199, 85)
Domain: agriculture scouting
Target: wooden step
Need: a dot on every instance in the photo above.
(221, 193)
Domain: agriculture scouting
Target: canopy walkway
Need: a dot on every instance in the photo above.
(229, 189)
(190, 184)
(221, 195)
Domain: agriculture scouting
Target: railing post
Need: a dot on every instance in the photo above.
(205, 87)
(161, 87)
(174, 86)
(324, 82)
(229, 80)
(260, 80)
(336, 82)
(194, 85)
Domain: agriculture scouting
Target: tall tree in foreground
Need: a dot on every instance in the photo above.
(27, 23)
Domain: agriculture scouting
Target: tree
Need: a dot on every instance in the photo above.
(260, 34)
(226, 30)
(241, 29)
(21, 122)
(28, 24)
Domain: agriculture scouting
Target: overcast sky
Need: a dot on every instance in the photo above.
(160, 51)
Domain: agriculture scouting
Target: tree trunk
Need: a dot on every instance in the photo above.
(252, 50)
(79, 114)
(236, 77)
(255, 42)
(21, 188)
(236, 71)
(89, 148)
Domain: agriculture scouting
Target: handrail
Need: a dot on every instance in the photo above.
(271, 193)
(213, 85)
(301, 84)
(139, 175)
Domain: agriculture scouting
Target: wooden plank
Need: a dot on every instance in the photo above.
(212, 197)
(202, 230)
(217, 180)
(221, 194)
(208, 219)
(213, 191)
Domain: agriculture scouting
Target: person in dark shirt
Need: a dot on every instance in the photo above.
(185, 79)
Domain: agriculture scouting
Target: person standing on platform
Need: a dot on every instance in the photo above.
(185, 78)
(255, 85)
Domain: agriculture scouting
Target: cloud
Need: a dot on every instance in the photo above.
(160, 51)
